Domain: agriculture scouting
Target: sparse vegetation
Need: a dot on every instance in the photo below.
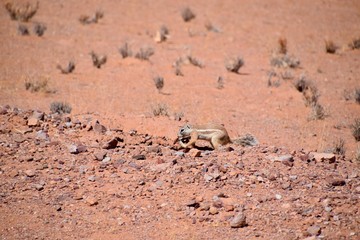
(330, 46)
(271, 82)
(234, 64)
(145, 53)
(282, 46)
(309, 91)
(355, 44)
(97, 60)
(195, 62)
(178, 116)
(160, 110)
(162, 34)
(39, 29)
(284, 60)
(339, 147)
(60, 107)
(220, 82)
(39, 85)
(281, 58)
(177, 67)
(357, 95)
(187, 15)
(246, 140)
(356, 129)
(125, 50)
(357, 155)
(317, 112)
(210, 27)
(21, 13)
(85, 19)
(23, 30)
(159, 83)
(69, 69)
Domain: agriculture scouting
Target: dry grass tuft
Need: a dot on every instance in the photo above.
(145, 53)
(159, 83)
(39, 29)
(187, 15)
(85, 19)
(356, 129)
(234, 64)
(38, 85)
(69, 69)
(339, 147)
(21, 13)
(23, 30)
(355, 44)
(60, 107)
(195, 62)
(220, 82)
(160, 110)
(330, 47)
(125, 50)
(98, 60)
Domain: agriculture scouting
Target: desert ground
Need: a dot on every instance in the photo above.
(93, 93)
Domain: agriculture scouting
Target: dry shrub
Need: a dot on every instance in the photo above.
(38, 85)
(330, 47)
(39, 29)
(162, 34)
(282, 48)
(69, 69)
(195, 62)
(220, 82)
(308, 89)
(125, 50)
(234, 64)
(187, 15)
(357, 95)
(160, 110)
(60, 107)
(339, 147)
(98, 60)
(356, 129)
(159, 83)
(85, 19)
(281, 58)
(145, 53)
(177, 66)
(357, 155)
(355, 44)
(178, 116)
(210, 27)
(21, 13)
(317, 112)
(246, 140)
(271, 81)
(23, 30)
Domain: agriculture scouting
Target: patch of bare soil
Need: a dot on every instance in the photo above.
(92, 95)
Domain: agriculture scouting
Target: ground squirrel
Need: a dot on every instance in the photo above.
(214, 133)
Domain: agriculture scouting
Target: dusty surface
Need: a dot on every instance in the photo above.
(171, 195)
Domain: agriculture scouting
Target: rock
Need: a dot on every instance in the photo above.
(92, 201)
(278, 196)
(336, 181)
(213, 210)
(81, 148)
(139, 157)
(39, 187)
(38, 115)
(92, 178)
(208, 177)
(110, 144)
(238, 221)
(285, 185)
(42, 135)
(73, 149)
(194, 153)
(33, 122)
(100, 155)
(193, 203)
(314, 230)
(99, 128)
(153, 149)
(320, 157)
(30, 173)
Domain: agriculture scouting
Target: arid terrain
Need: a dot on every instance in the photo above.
(92, 95)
